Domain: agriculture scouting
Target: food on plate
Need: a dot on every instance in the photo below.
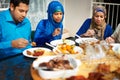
(118, 70)
(57, 63)
(36, 52)
(33, 43)
(80, 77)
(103, 68)
(29, 52)
(110, 51)
(95, 76)
(65, 48)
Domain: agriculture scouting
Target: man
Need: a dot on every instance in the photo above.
(15, 29)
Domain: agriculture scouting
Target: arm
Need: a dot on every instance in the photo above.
(10, 38)
(43, 33)
(84, 27)
(108, 31)
(116, 32)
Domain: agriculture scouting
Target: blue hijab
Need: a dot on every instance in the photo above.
(55, 6)
(46, 27)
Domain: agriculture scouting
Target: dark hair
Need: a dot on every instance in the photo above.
(17, 2)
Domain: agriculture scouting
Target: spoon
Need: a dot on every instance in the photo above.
(53, 47)
(77, 36)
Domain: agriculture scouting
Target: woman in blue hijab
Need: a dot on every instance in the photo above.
(51, 28)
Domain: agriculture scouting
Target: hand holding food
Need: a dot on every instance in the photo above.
(33, 44)
(89, 33)
(56, 32)
(19, 43)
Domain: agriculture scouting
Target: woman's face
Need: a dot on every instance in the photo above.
(99, 17)
(57, 16)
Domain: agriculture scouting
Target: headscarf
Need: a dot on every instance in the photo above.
(55, 6)
(99, 29)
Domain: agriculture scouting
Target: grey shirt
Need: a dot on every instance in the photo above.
(116, 34)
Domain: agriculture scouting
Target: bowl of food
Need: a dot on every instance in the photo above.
(56, 66)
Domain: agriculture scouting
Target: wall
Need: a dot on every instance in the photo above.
(76, 11)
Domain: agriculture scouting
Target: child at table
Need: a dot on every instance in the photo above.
(51, 28)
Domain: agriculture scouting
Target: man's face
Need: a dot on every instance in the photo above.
(19, 12)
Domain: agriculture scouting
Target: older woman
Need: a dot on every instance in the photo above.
(51, 28)
(96, 27)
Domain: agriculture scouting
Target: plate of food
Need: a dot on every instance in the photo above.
(67, 49)
(61, 41)
(85, 40)
(35, 52)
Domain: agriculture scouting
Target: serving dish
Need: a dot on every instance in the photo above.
(60, 73)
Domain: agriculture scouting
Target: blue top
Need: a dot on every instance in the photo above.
(10, 31)
(46, 27)
(86, 25)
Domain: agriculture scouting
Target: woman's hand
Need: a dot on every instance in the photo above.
(89, 33)
(56, 31)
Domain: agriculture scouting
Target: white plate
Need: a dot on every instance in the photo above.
(32, 49)
(60, 41)
(116, 47)
(85, 40)
(77, 50)
(59, 73)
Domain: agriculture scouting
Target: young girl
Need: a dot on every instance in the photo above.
(51, 28)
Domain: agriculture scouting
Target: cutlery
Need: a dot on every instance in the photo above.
(53, 47)
(50, 45)
(77, 36)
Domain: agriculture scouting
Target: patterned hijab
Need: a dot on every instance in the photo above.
(99, 29)
(55, 6)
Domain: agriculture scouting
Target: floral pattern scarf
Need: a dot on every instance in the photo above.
(99, 30)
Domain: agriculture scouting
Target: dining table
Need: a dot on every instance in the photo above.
(17, 67)
(20, 67)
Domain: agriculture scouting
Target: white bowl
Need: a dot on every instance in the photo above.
(56, 74)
